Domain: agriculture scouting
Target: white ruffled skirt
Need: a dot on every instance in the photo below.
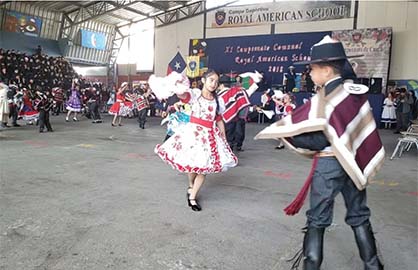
(197, 149)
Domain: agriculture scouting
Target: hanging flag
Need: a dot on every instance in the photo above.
(192, 66)
(177, 64)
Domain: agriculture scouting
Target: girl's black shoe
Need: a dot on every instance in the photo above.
(194, 205)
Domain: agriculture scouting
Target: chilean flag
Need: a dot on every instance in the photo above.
(235, 100)
(177, 64)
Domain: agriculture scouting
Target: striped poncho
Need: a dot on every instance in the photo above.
(345, 117)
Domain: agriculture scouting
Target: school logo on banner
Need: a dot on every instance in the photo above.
(281, 12)
(192, 66)
(220, 17)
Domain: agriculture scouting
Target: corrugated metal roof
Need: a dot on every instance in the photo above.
(116, 11)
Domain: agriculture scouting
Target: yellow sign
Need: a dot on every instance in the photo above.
(192, 66)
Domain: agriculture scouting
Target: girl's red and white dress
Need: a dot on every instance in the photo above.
(121, 107)
(198, 147)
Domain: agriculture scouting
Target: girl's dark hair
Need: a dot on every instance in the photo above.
(209, 72)
(215, 96)
(205, 75)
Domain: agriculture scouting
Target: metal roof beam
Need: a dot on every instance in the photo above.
(154, 5)
(119, 17)
(99, 9)
(113, 3)
(188, 11)
(80, 7)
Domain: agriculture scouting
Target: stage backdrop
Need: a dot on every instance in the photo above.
(273, 54)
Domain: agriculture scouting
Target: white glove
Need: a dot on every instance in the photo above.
(164, 87)
(160, 87)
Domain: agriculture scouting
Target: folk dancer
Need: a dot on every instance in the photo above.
(337, 128)
(199, 147)
(43, 103)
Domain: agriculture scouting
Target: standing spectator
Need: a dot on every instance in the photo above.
(58, 96)
(290, 79)
(389, 113)
(403, 107)
(309, 84)
(4, 105)
(414, 106)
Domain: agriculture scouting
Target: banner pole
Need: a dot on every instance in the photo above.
(355, 14)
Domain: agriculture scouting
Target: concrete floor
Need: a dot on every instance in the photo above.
(89, 196)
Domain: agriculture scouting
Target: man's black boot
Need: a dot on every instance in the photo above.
(366, 244)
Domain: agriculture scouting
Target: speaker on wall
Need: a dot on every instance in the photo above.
(364, 81)
(375, 85)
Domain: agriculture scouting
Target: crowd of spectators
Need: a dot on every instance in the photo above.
(37, 71)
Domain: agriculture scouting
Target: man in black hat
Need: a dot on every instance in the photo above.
(337, 128)
(290, 79)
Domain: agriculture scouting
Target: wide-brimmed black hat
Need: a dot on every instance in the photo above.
(328, 50)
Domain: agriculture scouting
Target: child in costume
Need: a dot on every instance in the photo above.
(118, 108)
(199, 147)
(74, 101)
(389, 111)
(237, 100)
(337, 128)
(27, 112)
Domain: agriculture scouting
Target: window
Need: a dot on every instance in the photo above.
(139, 47)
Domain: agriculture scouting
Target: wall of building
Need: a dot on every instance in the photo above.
(175, 38)
(400, 15)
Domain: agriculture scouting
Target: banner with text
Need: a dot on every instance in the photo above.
(280, 12)
(270, 54)
(273, 54)
(374, 44)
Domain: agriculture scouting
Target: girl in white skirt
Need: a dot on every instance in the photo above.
(389, 113)
(199, 147)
